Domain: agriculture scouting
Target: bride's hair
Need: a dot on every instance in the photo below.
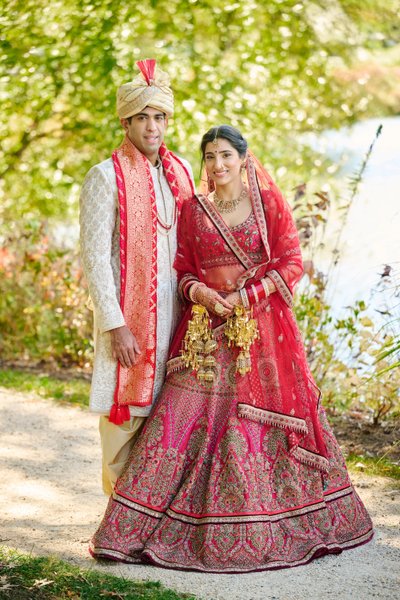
(227, 132)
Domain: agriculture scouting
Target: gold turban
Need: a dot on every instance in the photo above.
(150, 88)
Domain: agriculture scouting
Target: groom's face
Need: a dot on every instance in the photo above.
(146, 131)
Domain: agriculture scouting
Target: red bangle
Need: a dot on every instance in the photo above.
(260, 291)
(255, 292)
(250, 294)
(187, 287)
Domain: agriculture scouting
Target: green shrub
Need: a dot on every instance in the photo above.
(43, 317)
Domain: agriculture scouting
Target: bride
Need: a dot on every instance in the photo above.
(237, 469)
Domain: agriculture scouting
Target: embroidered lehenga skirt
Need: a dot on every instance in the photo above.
(214, 482)
(208, 491)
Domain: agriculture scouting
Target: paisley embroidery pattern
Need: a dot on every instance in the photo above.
(209, 491)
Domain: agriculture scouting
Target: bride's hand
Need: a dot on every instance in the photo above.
(211, 300)
(235, 300)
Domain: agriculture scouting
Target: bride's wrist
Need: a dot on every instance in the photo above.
(193, 290)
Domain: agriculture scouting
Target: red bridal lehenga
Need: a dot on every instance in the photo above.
(242, 474)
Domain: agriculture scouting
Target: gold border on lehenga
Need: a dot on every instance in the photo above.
(261, 415)
(262, 517)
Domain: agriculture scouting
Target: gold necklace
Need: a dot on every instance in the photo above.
(163, 224)
(227, 206)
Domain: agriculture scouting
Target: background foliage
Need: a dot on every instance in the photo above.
(275, 69)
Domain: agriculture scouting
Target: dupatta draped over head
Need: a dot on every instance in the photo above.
(279, 390)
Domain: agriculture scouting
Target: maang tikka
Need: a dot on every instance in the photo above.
(215, 140)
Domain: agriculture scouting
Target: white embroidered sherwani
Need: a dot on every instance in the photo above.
(99, 240)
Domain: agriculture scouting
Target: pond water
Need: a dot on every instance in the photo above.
(371, 236)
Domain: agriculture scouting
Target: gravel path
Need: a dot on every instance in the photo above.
(52, 503)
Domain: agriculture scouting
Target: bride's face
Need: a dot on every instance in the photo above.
(222, 162)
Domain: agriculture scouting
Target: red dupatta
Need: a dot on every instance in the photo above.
(138, 265)
(279, 390)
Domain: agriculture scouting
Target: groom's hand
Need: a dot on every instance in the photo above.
(124, 346)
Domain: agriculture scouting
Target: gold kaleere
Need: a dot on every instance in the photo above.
(199, 343)
(241, 330)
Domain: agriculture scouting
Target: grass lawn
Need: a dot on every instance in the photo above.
(74, 391)
(26, 577)
(373, 466)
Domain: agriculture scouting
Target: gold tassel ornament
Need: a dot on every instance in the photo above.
(241, 330)
(199, 343)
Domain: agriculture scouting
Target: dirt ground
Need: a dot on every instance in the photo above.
(357, 436)
(52, 503)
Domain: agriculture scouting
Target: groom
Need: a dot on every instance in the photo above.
(129, 208)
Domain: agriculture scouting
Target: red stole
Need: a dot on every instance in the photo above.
(138, 265)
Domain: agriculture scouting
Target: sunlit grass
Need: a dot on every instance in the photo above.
(373, 466)
(23, 577)
(74, 391)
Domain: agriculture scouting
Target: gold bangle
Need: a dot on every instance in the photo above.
(193, 289)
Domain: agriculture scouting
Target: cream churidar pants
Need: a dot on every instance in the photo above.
(116, 444)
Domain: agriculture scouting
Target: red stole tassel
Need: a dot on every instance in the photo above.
(119, 413)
